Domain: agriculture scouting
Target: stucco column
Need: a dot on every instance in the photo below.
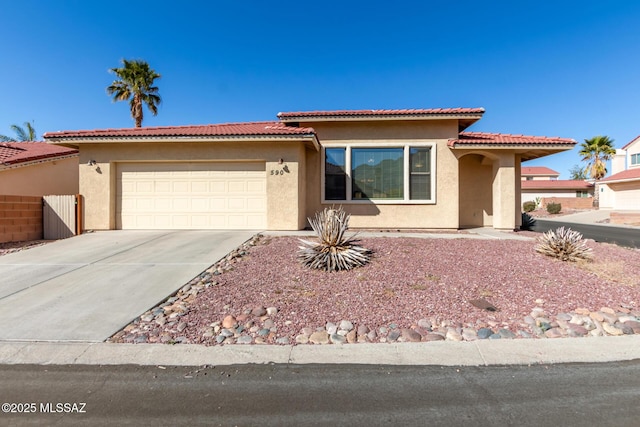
(518, 189)
(504, 192)
(282, 196)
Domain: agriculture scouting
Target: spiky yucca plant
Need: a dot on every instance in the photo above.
(564, 244)
(336, 251)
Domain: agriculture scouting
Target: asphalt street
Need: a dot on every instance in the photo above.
(604, 394)
(622, 236)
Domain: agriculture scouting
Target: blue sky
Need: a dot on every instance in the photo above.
(563, 68)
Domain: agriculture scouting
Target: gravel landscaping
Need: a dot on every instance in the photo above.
(413, 290)
(11, 247)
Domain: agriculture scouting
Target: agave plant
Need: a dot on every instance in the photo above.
(528, 222)
(336, 251)
(564, 244)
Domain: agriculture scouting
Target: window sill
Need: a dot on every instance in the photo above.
(378, 202)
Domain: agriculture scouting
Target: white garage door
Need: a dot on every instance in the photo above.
(194, 195)
(627, 195)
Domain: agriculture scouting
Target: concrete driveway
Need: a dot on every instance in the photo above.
(88, 287)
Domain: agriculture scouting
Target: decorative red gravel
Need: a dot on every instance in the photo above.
(411, 278)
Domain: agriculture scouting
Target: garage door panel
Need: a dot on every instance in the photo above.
(191, 195)
(162, 186)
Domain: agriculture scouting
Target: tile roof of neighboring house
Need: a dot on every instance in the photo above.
(293, 116)
(631, 142)
(626, 175)
(559, 184)
(12, 153)
(538, 170)
(485, 138)
(271, 128)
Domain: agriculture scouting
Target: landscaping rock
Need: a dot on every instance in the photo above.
(433, 337)
(319, 338)
(229, 322)
(410, 335)
(484, 333)
(345, 325)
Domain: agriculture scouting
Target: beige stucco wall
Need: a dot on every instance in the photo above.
(476, 177)
(52, 177)
(441, 214)
(98, 182)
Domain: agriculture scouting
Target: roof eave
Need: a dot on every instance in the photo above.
(619, 181)
(472, 117)
(527, 151)
(34, 161)
(75, 142)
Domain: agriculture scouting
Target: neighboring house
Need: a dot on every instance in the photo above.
(561, 189)
(621, 190)
(541, 183)
(538, 173)
(398, 169)
(37, 169)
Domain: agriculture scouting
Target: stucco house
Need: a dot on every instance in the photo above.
(542, 183)
(538, 173)
(37, 169)
(401, 169)
(621, 190)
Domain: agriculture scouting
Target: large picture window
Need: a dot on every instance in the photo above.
(376, 173)
(335, 175)
(392, 174)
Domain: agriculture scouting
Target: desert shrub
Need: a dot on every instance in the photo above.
(554, 208)
(336, 251)
(564, 244)
(527, 222)
(529, 206)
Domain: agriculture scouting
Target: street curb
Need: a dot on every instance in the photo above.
(476, 353)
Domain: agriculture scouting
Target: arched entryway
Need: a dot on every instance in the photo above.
(476, 174)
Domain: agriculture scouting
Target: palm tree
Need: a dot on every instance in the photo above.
(596, 151)
(26, 133)
(135, 84)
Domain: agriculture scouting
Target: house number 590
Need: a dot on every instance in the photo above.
(277, 172)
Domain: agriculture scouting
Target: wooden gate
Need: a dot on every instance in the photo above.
(59, 217)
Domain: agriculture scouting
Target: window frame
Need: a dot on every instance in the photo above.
(406, 146)
(637, 159)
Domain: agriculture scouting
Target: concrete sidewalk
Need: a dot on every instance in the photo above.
(595, 217)
(476, 353)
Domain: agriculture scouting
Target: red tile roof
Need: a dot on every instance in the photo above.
(538, 170)
(632, 174)
(271, 128)
(559, 184)
(12, 153)
(378, 113)
(485, 138)
(631, 142)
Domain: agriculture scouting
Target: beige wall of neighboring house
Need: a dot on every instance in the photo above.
(621, 190)
(44, 177)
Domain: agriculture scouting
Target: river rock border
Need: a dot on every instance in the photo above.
(164, 324)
